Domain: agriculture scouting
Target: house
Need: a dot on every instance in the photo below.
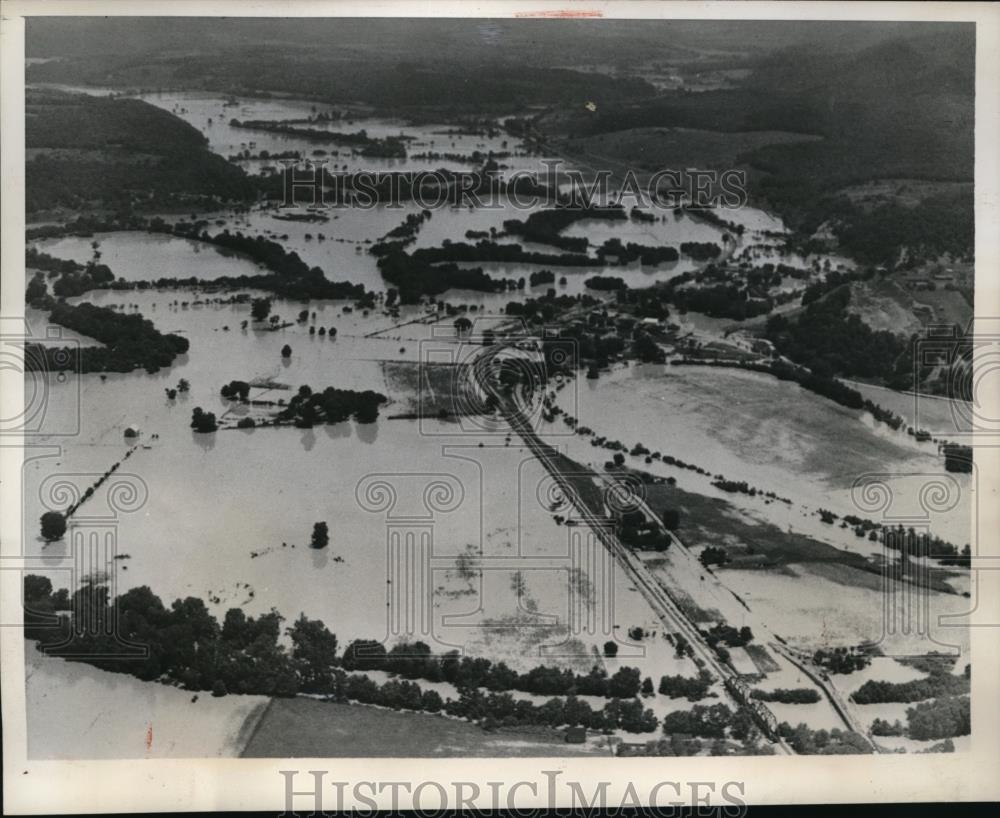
(132, 432)
(576, 735)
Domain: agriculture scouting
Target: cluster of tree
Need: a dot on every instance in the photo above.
(957, 458)
(407, 231)
(265, 155)
(735, 638)
(390, 147)
(691, 688)
(129, 341)
(541, 277)
(882, 727)
(308, 408)
(637, 215)
(502, 710)
(937, 684)
(823, 742)
(184, 643)
(937, 225)
(701, 250)
(646, 255)
(415, 661)
(53, 524)
(320, 536)
(909, 543)
(73, 278)
(645, 302)
(605, 283)
(710, 215)
(707, 721)
(236, 390)
(545, 226)
(636, 531)
(946, 717)
(743, 487)
(795, 695)
(37, 291)
(646, 350)
(414, 277)
(721, 301)
(203, 422)
(290, 276)
(495, 252)
(260, 308)
(830, 341)
(597, 347)
(475, 158)
(544, 309)
(841, 660)
(398, 694)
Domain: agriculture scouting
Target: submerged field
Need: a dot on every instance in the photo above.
(297, 728)
(487, 565)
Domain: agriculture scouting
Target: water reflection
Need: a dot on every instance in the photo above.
(320, 557)
(308, 439)
(336, 431)
(367, 432)
(206, 442)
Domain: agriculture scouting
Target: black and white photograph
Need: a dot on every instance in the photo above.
(551, 384)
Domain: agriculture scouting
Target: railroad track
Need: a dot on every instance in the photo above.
(673, 618)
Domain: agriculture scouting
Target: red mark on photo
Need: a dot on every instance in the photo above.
(561, 13)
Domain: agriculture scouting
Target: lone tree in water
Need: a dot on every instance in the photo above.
(202, 421)
(53, 526)
(321, 536)
(260, 308)
(286, 351)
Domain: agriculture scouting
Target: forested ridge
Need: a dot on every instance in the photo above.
(120, 153)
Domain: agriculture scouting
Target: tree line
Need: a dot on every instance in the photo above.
(415, 661)
(186, 645)
(130, 341)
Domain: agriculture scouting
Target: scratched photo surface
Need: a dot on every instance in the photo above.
(491, 388)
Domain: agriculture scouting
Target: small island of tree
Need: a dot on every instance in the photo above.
(202, 421)
(53, 526)
(286, 351)
(260, 308)
(320, 536)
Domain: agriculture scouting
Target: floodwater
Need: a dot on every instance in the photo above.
(341, 252)
(227, 516)
(137, 256)
(774, 435)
